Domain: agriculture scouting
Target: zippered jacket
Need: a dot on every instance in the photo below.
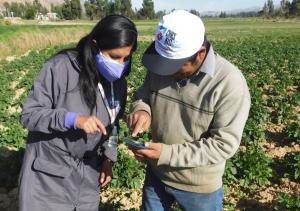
(61, 165)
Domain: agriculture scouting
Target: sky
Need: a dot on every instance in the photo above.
(203, 6)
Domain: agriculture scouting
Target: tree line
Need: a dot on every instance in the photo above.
(94, 9)
(286, 9)
(26, 11)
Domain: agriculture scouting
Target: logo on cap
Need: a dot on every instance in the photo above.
(163, 29)
(159, 36)
(170, 37)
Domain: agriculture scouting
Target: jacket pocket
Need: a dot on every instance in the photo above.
(51, 168)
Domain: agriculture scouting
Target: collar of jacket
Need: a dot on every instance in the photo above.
(74, 58)
(209, 63)
(207, 67)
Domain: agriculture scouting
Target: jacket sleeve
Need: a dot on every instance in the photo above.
(39, 112)
(224, 137)
(141, 97)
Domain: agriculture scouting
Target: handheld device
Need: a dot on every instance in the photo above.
(133, 144)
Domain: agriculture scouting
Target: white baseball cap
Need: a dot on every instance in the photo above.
(179, 36)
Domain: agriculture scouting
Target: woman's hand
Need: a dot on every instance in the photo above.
(138, 122)
(90, 124)
(105, 172)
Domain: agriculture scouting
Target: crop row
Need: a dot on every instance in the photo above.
(272, 70)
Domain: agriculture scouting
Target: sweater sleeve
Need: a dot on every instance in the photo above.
(224, 137)
(39, 112)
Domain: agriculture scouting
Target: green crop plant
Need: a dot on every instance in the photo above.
(127, 172)
(253, 167)
(289, 203)
(292, 163)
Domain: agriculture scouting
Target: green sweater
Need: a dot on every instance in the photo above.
(200, 124)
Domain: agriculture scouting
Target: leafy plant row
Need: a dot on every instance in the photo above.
(271, 66)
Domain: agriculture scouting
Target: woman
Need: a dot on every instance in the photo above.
(71, 114)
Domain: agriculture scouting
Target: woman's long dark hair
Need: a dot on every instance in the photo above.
(113, 31)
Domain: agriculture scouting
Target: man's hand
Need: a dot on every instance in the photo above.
(152, 151)
(90, 124)
(138, 122)
(105, 172)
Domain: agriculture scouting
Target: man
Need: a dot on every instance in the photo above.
(197, 104)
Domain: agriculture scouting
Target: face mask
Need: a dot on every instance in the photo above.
(110, 69)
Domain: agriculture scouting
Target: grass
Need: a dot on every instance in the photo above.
(235, 28)
(7, 32)
(17, 39)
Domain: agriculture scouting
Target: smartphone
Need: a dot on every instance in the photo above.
(133, 144)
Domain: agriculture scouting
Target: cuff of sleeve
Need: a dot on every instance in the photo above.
(141, 107)
(165, 155)
(111, 154)
(70, 119)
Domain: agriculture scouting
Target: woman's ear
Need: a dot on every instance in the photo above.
(94, 43)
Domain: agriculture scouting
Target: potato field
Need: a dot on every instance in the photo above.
(265, 172)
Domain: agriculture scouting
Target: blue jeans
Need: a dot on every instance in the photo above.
(159, 197)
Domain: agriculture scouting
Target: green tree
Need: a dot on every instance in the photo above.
(7, 8)
(76, 9)
(58, 10)
(88, 10)
(265, 10)
(117, 5)
(39, 8)
(295, 8)
(222, 15)
(66, 10)
(16, 9)
(195, 12)
(27, 10)
(102, 8)
(284, 7)
(160, 14)
(23, 9)
(147, 10)
(126, 8)
(98, 8)
(271, 9)
(30, 12)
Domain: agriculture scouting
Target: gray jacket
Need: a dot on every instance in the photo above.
(61, 166)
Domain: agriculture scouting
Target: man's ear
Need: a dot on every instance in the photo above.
(201, 54)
